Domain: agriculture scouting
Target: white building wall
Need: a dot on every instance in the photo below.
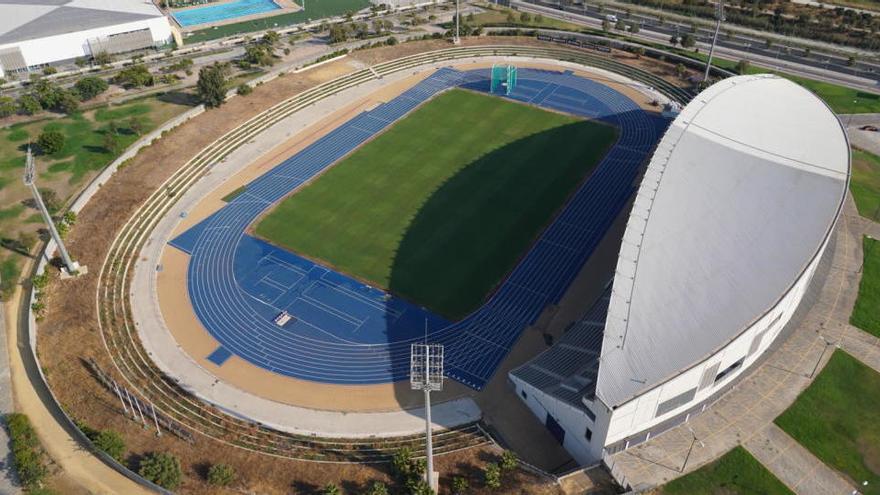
(573, 420)
(75, 45)
(639, 414)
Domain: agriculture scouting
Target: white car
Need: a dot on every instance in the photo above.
(611, 18)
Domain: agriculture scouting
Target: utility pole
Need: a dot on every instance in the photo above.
(71, 267)
(426, 374)
(455, 39)
(719, 18)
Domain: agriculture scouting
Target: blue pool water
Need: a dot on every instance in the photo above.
(223, 11)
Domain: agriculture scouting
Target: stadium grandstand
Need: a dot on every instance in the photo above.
(730, 222)
(37, 33)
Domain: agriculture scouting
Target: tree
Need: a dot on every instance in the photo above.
(511, 19)
(221, 475)
(460, 485)
(680, 70)
(46, 93)
(211, 86)
(492, 476)
(271, 38)
(391, 41)
(639, 51)
(673, 40)
(688, 41)
(525, 17)
(51, 200)
(136, 125)
(851, 61)
(259, 54)
(743, 66)
(620, 25)
(606, 25)
(50, 142)
(68, 102)
(768, 43)
(103, 58)
(338, 34)
(162, 469)
(244, 89)
(90, 87)
(108, 441)
(635, 27)
(377, 488)
(7, 106)
(539, 19)
(110, 142)
(135, 76)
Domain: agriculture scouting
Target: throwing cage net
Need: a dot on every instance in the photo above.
(503, 79)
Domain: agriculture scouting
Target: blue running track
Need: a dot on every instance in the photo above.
(343, 331)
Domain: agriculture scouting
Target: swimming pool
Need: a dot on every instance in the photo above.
(223, 11)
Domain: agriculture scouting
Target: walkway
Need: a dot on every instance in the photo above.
(34, 399)
(8, 482)
(745, 414)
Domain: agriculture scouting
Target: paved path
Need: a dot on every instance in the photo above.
(745, 414)
(794, 465)
(8, 481)
(32, 398)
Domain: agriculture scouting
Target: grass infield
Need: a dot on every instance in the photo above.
(734, 473)
(835, 418)
(865, 183)
(441, 206)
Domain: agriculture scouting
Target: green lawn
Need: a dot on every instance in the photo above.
(735, 473)
(440, 207)
(866, 314)
(836, 418)
(841, 99)
(865, 183)
(315, 10)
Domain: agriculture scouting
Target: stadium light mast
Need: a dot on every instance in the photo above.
(455, 38)
(719, 18)
(72, 267)
(426, 374)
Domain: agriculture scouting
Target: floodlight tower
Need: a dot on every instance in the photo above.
(719, 18)
(72, 267)
(426, 374)
(455, 39)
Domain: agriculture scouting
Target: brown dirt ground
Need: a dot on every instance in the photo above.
(69, 331)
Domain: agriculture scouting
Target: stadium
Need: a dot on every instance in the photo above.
(608, 268)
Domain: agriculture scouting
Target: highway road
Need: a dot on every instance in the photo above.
(819, 65)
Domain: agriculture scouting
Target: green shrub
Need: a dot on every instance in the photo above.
(330, 489)
(111, 443)
(50, 142)
(377, 488)
(460, 485)
(135, 76)
(7, 106)
(492, 476)
(162, 469)
(221, 475)
(244, 90)
(26, 451)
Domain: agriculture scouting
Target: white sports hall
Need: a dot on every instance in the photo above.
(731, 220)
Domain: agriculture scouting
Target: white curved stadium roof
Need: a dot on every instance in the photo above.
(738, 198)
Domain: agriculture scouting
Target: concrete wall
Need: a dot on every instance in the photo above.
(75, 45)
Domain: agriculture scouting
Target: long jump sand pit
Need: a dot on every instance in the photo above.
(195, 340)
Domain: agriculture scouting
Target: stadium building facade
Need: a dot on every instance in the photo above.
(36, 33)
(730, 222)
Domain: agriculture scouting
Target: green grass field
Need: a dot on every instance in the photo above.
(315, 10)
(440, 207)
(865, 183)
(734, 473)
(866, 314)
(836, 418)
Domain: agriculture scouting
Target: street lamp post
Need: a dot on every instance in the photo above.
(426, 374)
(719, 17)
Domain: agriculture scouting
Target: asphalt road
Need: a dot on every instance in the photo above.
(738, 46)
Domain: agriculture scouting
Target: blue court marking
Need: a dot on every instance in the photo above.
(219, 356)
(346, 332)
